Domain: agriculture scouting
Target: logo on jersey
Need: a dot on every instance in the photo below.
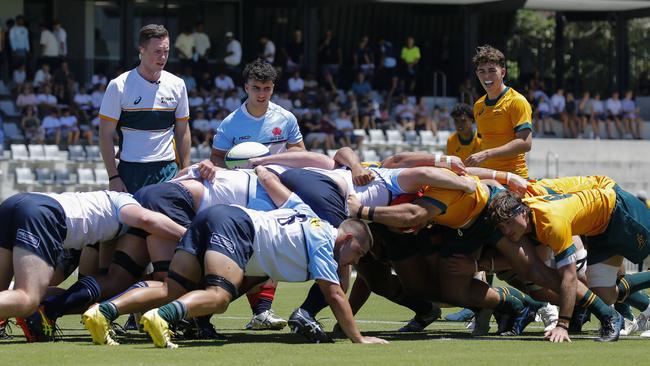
(641, 241)
(137, 101)
(315, 223)
(223, 242)
(27, 238)
(244, 138)
(165, 100)
(277, 131)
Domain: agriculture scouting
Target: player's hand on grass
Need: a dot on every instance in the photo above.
(353, 205)
(117, 185)
(477, 159)
(517, 184)
(557, 335)
(207, 170)
(361, 176)
(373, 340)
(462, 265)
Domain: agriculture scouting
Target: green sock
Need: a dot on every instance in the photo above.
(172, 312)
(109, 311)
(625, 310)
(526, 299)
(489, 279)
(632, 283)
(597, 307)
(638, 300)
(508, 303)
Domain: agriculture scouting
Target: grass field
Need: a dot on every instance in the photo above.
(444, 343)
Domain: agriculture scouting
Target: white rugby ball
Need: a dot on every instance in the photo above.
(238, 155)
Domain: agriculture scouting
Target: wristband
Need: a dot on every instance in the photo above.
(436, 163)
(494, 175)
(563, 326)
(113, 177)
(448, 162)
(507, 177)
(371, 213)
(360, 211)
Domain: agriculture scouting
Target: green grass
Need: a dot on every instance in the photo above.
(444, 343)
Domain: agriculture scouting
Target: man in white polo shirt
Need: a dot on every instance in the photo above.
(148, 108)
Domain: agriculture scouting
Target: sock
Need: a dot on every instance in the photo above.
(109, 311)
(86, 291)
(596, 306)
(262, 300)
(489, 279)
(315, 301)
(173, 312)
(140, 284)
(625, 310)
(526, 299)
(508, 304)
(632, 283)
(638, 300)
(262, 306)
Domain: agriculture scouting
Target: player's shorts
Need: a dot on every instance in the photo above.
(627, 234)
(319, 192)
(68, 261)
(138, 175)
(35, 222)
(224, 229)
(171, 199)
(389, 177)
(395, 247)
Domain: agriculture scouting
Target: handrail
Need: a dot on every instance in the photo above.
(435, 83)
(552, 155)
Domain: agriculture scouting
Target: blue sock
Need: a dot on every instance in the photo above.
(315, 301)
(140, 284)
(84, 292)
(262, 305)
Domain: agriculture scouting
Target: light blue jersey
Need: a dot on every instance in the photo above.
(277, 128)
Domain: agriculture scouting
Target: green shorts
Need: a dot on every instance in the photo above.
(394, 247)
(138, 175)
(627, 234)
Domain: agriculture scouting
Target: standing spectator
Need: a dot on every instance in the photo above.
(294, 51)
(295, 83)
(598, 115)
(387, 64)
(330, 56)
(224, 82)
(19, 40)
(363, 58)
(132, 100)
(184, 45)
(410, 57)
(631, 117)
(424, 117)
(584, 113)
(614, 110)
(544, 113)
(62, 36)
(52, 127)
(268, 50)
(558, 111)
(31, 125)
(99, 78)
(43, 75)
(49, 47)
(69, 126)
(232, 57)
(202, 47)
(361, 87)
(19, 76)
(26, 97)
(188, 78)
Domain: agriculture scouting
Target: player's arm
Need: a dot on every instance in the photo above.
(217, 157)
(298, 146)
(183, 141)
(271, 183)
(345, 156)
(402, 215)
(568, 291)
(413, 159)
(296, 159)
(152, 222)
(341, 308)
(106, 131)
(521, 144)
(514, 182)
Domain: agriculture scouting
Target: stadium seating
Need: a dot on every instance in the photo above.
(9, 108)
(44, 176)
(85, 177)
(19, 152)
(377, 139)
(36, 152)
(101, 177)
(76, 153)
(395, 140)
(204, 152)
(93, 153)
(62, 177)
(24, 176)
(428, 140)
(13, 134)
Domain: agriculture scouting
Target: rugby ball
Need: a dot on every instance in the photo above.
(238, 155)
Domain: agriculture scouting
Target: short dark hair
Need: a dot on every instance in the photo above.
(150, 31)
(503, 206)
(488, 54)
(259, 70)
(462, 109)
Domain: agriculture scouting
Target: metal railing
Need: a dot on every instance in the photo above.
(552, 155)
(439, 74)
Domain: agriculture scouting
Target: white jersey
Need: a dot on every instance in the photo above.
(92, 217)
(292, 244)
(145, 113)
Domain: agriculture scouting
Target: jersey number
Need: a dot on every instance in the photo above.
(556, 197)
(291, 219)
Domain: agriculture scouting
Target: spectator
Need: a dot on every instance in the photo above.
(584, 113)
(233, 53)
(190, 82)
(201, 129)
(61, 36)
(345, 130)
(423, 117)
(43, 75)
(314, 137)
(52, 127)
(328, 127)
(631, 118)
(283, 100)
(224, 82)
(311, 90)
(49, 46)
(202, 47)
(558, 111)
(184, 45)
(410, 57)
(467, 91)
(215, 101)
(99, 78)
(571, 116)
(368, 113)
(614, 113)
(26, 97)
(20, 76)
(86, 128)
(46, 100)
(293, 51)
(69, 126)
(232, 102)
(598, 115)
(195, 100)
(361, 87)
(405, 114)
(544, 113)
(387, 64)
(83, 100)
(363, 58)
(330, 56)
(19, 41)
(205, 82)
(63, 76)
(97, 95)
(215, 121)
(31, 125)
(295, 83)
(268, 50)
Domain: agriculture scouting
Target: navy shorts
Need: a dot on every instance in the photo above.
(137, 175)
(319, 192)
(34, 222)
(171, 199)
(221, 228)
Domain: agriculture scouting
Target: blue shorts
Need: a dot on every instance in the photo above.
(34, 222)
(319, 192)
(171, 199)
(224, 229)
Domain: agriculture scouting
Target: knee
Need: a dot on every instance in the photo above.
(609, 295)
